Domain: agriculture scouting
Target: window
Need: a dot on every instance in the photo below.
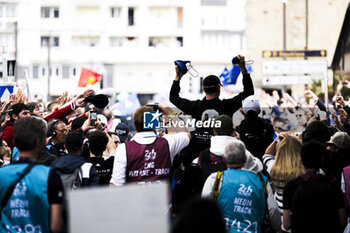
(43, 71)
(131, 16)
(55, 41)
(35, 72)
(116, 41)
(7, 39)
(213, 2)
(10, 11)
(201, 85)
(223, 39)
(179, 41)
(44, 41)
(85, 41)
(50, 12)
(56, 13)
(65, 72)
(115, 12)
(165, 42)
(179, 16)
(88, 13)
(74, 71)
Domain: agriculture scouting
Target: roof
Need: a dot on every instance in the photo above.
(342, 38)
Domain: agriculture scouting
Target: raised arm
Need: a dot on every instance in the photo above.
(185, 105)
(248, 88)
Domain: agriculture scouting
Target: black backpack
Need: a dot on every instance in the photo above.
(256, 136)
(208, 166)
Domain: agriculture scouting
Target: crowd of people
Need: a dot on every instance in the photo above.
(268, 164)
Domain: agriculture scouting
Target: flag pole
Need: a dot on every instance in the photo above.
(28, 89)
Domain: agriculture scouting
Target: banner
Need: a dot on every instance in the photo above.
(6, 89)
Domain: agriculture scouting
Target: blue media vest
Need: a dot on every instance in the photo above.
(242, 201)
(28, 208)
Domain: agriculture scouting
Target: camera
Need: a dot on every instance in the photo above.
(182, 66)
(93, 118)
(338, 107)
(154, 106)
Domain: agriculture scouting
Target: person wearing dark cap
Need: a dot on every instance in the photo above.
(122, 130)
(211, 159)
(211, 87)
(99, 101)
(256, 134)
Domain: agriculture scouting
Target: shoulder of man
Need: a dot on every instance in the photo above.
(177, 136)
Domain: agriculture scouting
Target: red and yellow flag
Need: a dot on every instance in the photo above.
(88, 77)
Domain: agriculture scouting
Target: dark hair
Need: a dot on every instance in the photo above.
(74, 141)
(110, 133)
(97, 142)
(318, 131)
(50, 105)
(32, 105)
(312, 154)
(78, 122)
(17, 108)
(52, 126)
(212, 90)
(27, 131)
(138, 118)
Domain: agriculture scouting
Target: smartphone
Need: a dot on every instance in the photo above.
(93, 118)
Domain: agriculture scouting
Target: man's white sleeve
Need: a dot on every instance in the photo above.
(208, 188)
(252, 163)
(119, 166)
(177, 142)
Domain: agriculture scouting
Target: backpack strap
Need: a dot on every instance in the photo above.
(267, 213)
(263, 183)
(217, 185)
(14, 184)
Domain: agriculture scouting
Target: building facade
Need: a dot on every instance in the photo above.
(309, 24)
(132, 43)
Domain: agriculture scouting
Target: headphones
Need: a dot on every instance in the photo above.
(51, 128)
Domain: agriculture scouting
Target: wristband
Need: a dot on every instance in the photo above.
(73, 106)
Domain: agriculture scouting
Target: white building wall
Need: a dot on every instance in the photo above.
(137, 67)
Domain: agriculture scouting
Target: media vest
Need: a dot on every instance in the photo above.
(28, 209)
(242, 201)
(146, 163)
